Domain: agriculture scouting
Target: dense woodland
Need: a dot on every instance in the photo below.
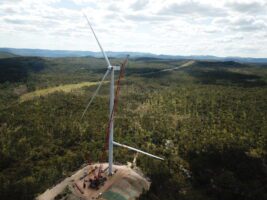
(208, 120)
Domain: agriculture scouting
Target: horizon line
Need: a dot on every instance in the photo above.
(155, 54)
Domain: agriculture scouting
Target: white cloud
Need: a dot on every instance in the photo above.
(192, 8)
(139, 4)
(249, 7)
(222, 28)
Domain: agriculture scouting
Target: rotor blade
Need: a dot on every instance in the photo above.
(95, 93)
(137, 150)
(103, 52)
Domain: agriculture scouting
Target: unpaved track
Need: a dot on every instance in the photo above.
(187, 64)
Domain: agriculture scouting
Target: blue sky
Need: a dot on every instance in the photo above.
(175, 27)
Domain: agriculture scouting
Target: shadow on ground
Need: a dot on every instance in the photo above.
(228, 174)
(18, 69)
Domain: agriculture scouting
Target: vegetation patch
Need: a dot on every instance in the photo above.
(62, 88)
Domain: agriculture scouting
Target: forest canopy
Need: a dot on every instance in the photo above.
(208, 120)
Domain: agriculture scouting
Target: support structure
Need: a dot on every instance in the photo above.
(111, 105)
(111, 69)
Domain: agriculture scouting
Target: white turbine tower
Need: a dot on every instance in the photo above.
(110, 69)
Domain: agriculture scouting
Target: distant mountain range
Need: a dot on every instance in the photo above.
(134, 55)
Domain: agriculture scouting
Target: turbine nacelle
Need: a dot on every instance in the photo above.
(115, 68)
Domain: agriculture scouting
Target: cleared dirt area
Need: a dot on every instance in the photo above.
(125, 183)
(62, 88)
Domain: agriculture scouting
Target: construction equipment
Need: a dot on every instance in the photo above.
(97, 182)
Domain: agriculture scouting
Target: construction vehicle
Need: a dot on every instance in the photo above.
(99, 178)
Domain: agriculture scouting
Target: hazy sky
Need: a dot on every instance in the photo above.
(181, 27)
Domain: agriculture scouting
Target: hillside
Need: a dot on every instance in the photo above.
(208, 119)
(136, 55)
(6, 55)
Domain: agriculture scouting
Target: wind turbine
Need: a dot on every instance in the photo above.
(111, 142)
